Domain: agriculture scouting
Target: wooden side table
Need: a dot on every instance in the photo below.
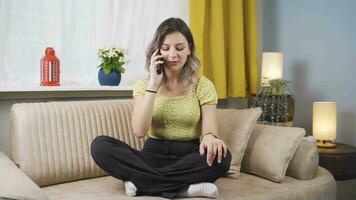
(341, 162)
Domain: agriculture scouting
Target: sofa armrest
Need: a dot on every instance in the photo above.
(305, 162)
(14, 184)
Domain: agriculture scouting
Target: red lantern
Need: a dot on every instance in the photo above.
(49, 68)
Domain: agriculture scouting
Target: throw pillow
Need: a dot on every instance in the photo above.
(270, 149)
(234, 127)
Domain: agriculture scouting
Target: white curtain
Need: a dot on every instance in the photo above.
(76, 29)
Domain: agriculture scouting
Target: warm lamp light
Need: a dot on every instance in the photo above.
(324, 123)
(272, 67)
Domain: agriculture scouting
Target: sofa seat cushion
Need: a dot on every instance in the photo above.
(251, 187)
(247, 187)
(101, 188)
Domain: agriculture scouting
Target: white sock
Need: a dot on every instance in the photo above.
(130, 189)
(204, 189)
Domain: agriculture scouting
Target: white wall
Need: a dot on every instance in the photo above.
(318, 39)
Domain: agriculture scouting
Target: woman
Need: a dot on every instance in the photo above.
(174, 107)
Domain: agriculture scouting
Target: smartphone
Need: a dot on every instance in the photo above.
(159, 69)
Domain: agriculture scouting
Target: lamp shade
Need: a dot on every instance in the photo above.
(272, 67)
(324, 120)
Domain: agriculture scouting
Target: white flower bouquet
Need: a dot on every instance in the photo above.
(112, 59)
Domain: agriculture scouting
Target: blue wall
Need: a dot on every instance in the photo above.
(318, 39)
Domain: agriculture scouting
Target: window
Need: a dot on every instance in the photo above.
(76, 30)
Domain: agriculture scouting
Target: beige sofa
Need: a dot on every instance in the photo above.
(50, 157)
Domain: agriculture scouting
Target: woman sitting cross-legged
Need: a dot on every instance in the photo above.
(175, 107)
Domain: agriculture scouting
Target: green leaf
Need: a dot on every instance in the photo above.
(279, 86)
(101, 65)
(107, 70)
(120, 69)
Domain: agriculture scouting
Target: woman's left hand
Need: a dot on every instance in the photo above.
(213, 147)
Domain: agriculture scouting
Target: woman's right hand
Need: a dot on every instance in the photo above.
(155, 79)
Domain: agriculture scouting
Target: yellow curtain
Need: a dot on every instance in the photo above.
(226, 43)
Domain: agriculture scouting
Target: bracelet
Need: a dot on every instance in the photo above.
(215, 136)
(151, 91)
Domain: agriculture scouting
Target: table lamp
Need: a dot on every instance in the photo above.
(272, 67)
(324, 124)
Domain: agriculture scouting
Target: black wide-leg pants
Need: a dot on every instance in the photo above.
(163, 167)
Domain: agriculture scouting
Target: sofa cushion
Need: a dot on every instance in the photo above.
(51, 140)
(270, 150)
(305, 161)
(234, 127)
(246, 187)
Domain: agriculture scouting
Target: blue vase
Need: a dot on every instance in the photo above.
(112, 79)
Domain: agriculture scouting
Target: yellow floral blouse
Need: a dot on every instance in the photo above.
(179, 118)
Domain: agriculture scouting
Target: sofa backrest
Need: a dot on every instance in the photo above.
(50, 141)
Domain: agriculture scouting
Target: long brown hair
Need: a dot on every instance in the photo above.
(188, 76)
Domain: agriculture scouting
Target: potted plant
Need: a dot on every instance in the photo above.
(112, 60)
(276, 102)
